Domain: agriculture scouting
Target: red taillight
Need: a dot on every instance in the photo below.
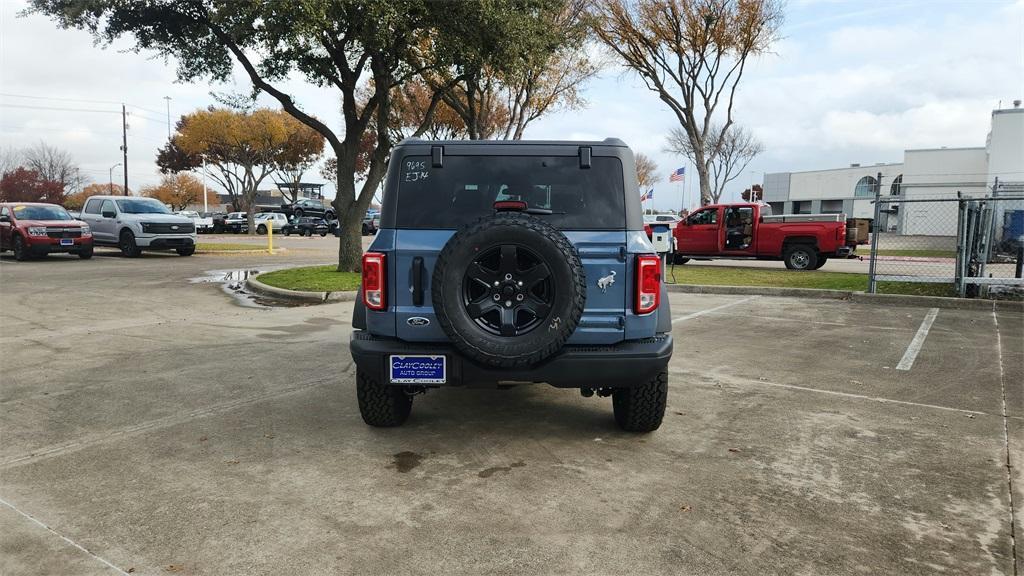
(374, 281)
(648, 284)
(517, 205)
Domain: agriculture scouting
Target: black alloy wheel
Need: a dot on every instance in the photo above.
(507, 290)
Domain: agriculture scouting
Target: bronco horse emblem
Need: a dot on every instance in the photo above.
(606, 281)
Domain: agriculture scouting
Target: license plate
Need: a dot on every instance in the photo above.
(418, 369)
(67, 241)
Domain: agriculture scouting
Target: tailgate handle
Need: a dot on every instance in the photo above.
(417, 281)
(437, 156)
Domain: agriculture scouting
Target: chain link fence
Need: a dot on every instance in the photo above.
(972, 244)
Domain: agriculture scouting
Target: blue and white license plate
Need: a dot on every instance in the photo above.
(67, 241)
(418, 369)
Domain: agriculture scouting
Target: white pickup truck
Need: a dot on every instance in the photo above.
(203, 224)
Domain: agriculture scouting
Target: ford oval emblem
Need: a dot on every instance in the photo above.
(174, 227)
(417, 321)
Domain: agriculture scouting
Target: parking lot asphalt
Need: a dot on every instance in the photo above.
(151, 424)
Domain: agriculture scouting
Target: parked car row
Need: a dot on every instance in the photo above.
(129, 223)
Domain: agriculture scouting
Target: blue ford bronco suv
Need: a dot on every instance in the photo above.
(501, 263)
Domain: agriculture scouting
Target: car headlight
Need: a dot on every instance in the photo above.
(86, 231)
(37, 230)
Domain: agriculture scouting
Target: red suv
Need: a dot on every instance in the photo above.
(31, 228)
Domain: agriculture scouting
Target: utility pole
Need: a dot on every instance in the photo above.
(124, 145)
(168, 98)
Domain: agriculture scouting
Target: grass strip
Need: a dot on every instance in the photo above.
(312, 279)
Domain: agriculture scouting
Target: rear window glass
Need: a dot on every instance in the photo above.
(467, 187)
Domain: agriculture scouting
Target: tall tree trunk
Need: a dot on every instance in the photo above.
(350, 238)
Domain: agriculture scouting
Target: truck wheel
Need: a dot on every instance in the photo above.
(508, 290)
(261, 229)
(821, 262)
(800, 257)
(187, 251)
(20, 252)
(679, 260)
(127, 244)
(379, 404)
(85, 253)
(641, 407)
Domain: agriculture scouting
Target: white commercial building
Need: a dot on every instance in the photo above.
(924, 173)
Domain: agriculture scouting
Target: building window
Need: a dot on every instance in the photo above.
(865, 187)
(802, 207)
(831, 206)
(897, 186)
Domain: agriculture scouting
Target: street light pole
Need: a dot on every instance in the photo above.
(110, 177)
(168, 98)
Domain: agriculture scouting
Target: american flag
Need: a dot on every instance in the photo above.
(677, 176)
(649, 195)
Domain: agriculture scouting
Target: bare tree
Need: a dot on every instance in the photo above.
(10, 158)
(724, 159)
(692, 53)
(52, 164)
(645, 171)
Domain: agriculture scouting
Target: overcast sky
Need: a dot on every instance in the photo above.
(850, 82)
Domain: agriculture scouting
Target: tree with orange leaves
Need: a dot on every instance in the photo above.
(179, 191)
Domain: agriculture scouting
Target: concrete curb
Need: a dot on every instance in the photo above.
(243, 252)
(890, 299)
(256, 286)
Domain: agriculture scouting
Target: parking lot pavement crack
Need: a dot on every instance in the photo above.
(36, 521)
(746, 381)
(1006, 446)
(159, 423)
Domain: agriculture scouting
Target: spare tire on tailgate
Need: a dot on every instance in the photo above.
(508, 290)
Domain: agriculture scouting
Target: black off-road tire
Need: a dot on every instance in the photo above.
(86, 253)
(379, 404)
(821, 262)
(641, 408)
(20, 251)
(127, 244)
(186, 251)
(801, 257)
(567, 276)
(322, 234)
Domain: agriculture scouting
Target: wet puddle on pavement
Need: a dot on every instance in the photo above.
(232, 283)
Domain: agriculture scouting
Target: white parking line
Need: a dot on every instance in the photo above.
(715, 309)
(61, 536)
(907, 362)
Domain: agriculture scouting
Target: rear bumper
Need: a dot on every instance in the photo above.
(616, 366)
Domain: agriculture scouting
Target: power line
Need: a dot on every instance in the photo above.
(56, 99)
(4, 105)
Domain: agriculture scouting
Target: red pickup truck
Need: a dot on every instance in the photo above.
(749, 231)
